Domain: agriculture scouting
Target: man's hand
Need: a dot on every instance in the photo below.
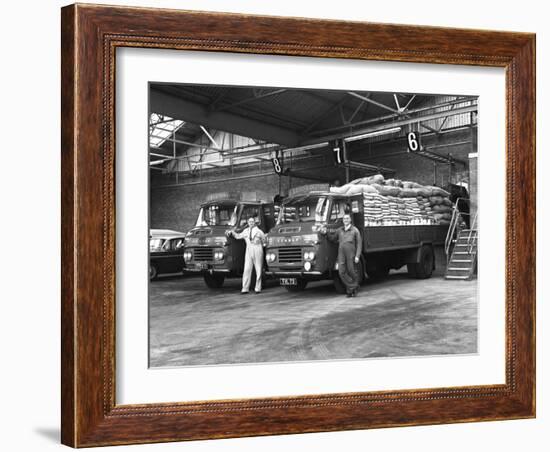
(323, 230)
(356, 260)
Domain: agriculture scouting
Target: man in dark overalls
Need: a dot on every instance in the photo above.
(349, 251)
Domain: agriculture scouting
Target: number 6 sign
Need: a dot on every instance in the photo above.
(413, 141)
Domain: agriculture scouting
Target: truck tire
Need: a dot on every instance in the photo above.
(302, 283)
(214, 280)
(377, 270)
(424, 268)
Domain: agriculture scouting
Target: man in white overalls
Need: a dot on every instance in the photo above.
(254, 257)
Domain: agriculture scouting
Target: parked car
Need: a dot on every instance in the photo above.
(165, 252)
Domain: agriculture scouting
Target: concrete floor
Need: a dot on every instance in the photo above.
(192, 325)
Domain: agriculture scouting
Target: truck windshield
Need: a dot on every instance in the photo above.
(218, 215)
(304, 208)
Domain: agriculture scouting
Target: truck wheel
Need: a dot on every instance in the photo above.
(377, 270)
(214, 280)
(424, 268)
(153, 272)
(302, 283)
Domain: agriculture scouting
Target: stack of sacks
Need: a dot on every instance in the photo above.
(375, 208)
(442, 208)
(392, 201)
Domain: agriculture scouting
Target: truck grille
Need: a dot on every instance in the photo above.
(204, 254)
(290, 254)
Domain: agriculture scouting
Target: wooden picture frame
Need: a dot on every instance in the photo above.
(90, 36)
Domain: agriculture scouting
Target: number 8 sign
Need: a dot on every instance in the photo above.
(277, 166)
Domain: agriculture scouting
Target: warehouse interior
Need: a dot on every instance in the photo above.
(206, 139)
(223, 137)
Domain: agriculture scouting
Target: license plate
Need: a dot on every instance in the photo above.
(288, 281)
(202, 265)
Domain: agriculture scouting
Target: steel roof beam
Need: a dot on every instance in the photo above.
(374, 102)
(179, 108)
(388, 117)
(250, 99)
(400, 122)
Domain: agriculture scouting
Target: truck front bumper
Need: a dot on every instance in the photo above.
(284, 273)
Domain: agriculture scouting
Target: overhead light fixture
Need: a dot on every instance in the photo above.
(159, 162)
(376, 133)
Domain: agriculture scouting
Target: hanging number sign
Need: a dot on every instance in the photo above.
(413, 141)
(277, 164)
(338, 152)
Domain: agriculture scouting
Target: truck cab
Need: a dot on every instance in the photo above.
(297, 252)
(208, 250)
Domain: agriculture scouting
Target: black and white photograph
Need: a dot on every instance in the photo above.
(294, 224)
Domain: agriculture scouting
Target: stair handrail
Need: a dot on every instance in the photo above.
(473, 227)
(455, 217)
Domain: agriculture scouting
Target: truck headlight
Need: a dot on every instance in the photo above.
(309, 255)
(270, 257)
(218, 255)
(307, 266)
(187, 256)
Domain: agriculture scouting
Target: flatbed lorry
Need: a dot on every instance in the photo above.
(298, 252)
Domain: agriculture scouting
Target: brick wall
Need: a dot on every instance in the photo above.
(177, 207)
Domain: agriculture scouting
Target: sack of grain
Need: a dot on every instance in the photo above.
(422, 191)
(355, 189)
(369, 189)
(388, 190)
(440, 208)
(408, 193)
(377, 179)
(437, 191)
(341, 190)
(436, 200)
(409, 184)
(442, 216)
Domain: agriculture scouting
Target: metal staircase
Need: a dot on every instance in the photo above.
(461, 248)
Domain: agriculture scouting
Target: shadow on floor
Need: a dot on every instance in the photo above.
(50, 433)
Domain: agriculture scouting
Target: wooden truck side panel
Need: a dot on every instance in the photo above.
(382, 238)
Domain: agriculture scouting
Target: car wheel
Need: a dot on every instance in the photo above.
(153, 272)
